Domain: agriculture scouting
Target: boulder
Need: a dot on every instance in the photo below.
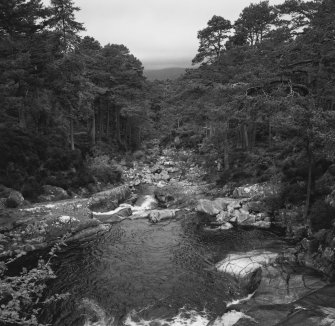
(244, 217)
(118, 194)
(246, 268)
(4, 191)
(52, 193)
(256, 191)
(222, 217)
(213, 207)
(3, 203)
(159, 215)
(254, 206)
(15, 199)
(114, 216)
(163, 196)
(262, 225)
(145, 203)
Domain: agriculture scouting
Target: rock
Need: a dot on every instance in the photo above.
(114, 216)
(262, 225)
(213, 207)
(256, 191)
(328, 254)
(223, 217)
(4, 191)
(316, 308)
(246, 268)
(3, 203)
(244, 217)
(145, 203)
(254, 206)
(15, 199)
(88, 234)
(52, 193)
(3, 239)
(310, 245)
(226, 226)
(163, 196)
(119, 194)
(159, 215)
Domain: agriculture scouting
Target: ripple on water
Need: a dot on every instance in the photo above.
(137, 264)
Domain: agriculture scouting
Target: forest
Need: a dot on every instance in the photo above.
(258, 105)
(261, 100)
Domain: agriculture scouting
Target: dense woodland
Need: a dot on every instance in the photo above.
(260, 102)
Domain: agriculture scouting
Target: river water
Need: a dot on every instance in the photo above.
(149, 274)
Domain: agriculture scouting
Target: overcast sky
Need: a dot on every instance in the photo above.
(161, 33)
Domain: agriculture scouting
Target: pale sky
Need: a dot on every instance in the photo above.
(161, 33)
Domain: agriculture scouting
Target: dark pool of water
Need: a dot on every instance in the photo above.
(154, 270)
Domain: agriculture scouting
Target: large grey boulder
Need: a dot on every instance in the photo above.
(53, 193)
(15, 199)
(246, 268)
(213, 207)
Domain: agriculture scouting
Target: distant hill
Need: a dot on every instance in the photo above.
(162, 74)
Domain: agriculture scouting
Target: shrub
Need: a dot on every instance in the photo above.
(103, 170)
(321, 215)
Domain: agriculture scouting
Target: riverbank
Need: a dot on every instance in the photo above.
(173, 186)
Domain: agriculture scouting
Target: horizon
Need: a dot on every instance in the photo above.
(161, 35)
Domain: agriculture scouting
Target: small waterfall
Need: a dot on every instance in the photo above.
(98, 317)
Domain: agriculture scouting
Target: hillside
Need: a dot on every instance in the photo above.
(162, 74)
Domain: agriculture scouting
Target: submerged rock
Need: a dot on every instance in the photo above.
(159, 215)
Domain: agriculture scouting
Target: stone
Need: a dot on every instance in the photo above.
(4, 191)
(254, 206)
(244, 217)
(328, 254)
(246, 268)
(3, 203)
(226, 226)
(15, 199)
(212, 207)
(262, 225)
(163, 196)
(310, 245)
(145, 203)
(114, 216)
(159, 215)
(222, 217)
(256, 191)
(3, 239)
(53, 193)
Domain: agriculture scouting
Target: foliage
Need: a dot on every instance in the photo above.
(20, 295)
(103, 169)
(321, 216)
(212, 39)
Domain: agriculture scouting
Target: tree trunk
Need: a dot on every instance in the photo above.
(93, 128)
(108, 125)
(226, 146)
(246, 136)
(100, 121)
(309, 184)
(71, 134)
(22, 117)
(270, 134)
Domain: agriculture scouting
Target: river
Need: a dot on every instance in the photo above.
(149, 274)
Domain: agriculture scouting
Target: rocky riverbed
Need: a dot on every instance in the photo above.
(280, 282)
